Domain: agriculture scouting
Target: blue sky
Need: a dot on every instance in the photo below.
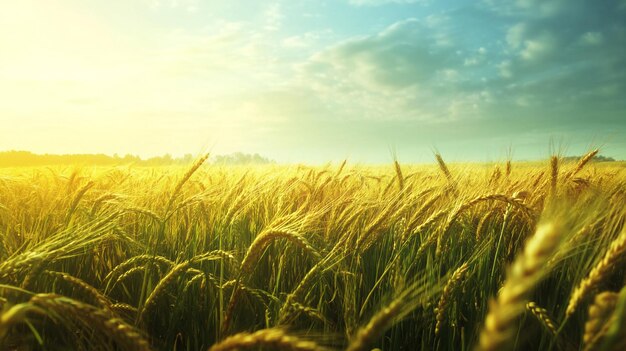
(314, 81)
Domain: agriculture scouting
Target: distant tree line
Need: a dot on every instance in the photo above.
(239, 158)
(28, 159)
(597, 158)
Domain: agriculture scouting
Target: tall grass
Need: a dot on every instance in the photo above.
(402, 257)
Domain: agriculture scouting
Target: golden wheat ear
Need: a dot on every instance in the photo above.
(454, 282)
(527, 270)
(273, 338)
(542, 316)
(598, 273)
(414, 296)
(606, 324)
(15, 315)
(599, 313)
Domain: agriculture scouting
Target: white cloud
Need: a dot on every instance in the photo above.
(539, 47)
(296, 41)
(400, 73)
(232, 52)
(188, 5)
(404, 54)
(592, 38)
(543, 7)
(273, 17)
(561, 53)
(535, 8)
(515, 35)
(504, 68)
(305, 40)
(477, 58)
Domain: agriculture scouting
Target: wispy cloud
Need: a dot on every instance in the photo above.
(402, 72)
(564, 52)
(273, 17)
(385, 2)
(550, 63)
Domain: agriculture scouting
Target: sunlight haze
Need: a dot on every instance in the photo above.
(311, 81)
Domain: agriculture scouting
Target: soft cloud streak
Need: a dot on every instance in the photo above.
(403, 72)
(385, 2)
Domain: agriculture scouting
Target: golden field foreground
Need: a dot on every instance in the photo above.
(460, 257)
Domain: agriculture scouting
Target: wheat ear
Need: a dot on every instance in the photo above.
(609, 332)
(598, 273)
(526, 271)
(16, 314)
(443, 167)
(376, 326)
(134, 261)
(599, 313)
(495, 197)
(582, 162)
(263, 240)
(79, 195)
(542, 315)
(184, 179)
(412, 297)
(417, 215)
(399, 175)
(444, 300)
(91, 318)
(274, 338)
(83, 286)
(554, 174)
(160, 288)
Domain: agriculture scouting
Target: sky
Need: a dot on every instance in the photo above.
(314, 80)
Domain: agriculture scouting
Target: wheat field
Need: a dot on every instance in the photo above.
(512, 256)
